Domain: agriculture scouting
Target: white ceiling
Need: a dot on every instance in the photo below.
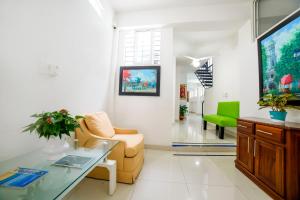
(204, 36)
(200, 39)
(138, 5)
(209, 25)
(193, 36)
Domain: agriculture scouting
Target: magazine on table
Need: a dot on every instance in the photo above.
(21, 177)
(73, 161)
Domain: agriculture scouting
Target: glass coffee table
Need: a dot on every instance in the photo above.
(59, 181)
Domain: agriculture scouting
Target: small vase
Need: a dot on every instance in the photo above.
(56, 147)
(278, 116)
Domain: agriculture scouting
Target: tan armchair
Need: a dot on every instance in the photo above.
(129, 153)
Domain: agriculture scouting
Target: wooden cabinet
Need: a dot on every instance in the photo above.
(269, 154)
(269, 165)
(244, 151)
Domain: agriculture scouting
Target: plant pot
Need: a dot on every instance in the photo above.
(278, 116)
(181, 117)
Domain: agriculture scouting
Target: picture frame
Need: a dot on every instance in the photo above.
(139, 81)
(183, 91)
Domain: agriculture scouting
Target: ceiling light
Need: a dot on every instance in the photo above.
(196, 63)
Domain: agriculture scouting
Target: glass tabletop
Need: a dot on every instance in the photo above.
(59, 179)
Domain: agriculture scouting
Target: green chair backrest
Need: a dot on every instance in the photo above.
(229, 109)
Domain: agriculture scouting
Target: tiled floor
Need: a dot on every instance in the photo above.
(168, 177)
(191, 131)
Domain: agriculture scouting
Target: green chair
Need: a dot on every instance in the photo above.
(226, 116)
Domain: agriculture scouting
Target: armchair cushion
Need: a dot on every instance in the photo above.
(99, 124)
(134, 143)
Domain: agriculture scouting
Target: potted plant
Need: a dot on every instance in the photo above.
(54, 126)
(278, 104)
(182, 110)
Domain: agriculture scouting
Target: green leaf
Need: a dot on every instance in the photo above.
(27, 129)
(78, 117)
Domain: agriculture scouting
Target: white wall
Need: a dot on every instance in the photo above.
(236, 72)
(152, 116)
(183, 14)
(248, 75)
(35, 33)
(195, 102)
(225, 77)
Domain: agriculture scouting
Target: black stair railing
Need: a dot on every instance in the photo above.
(205, 75)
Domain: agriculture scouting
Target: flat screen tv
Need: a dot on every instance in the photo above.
(279, 58)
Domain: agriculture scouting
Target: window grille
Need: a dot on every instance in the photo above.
(142, 47)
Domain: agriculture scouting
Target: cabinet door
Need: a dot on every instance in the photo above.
(269, 165)
(245, 151)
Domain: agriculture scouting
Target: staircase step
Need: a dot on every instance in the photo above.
(206, 78)
(202, 73)
(206, 74)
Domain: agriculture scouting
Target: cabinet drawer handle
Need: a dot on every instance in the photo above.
(248, 144)
(268, 133)
(242, 126)
(254, 148)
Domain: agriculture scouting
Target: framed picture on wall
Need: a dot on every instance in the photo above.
(183, 91)
(139, 81)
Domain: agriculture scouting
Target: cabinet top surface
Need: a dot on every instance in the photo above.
(283, 125)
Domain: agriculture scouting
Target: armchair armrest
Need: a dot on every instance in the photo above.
(125, 131)
(93, 138)
(117, 153)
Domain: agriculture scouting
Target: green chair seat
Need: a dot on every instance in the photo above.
(223, 121)
(226, 116)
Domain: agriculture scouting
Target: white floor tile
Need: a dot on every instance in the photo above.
(159, 190)
(253, 193)
(161, 167)
(168, 177)
(204, 192)
(201, 170)
(92, 189)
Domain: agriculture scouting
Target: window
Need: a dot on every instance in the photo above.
(267, 13)
(142, 47)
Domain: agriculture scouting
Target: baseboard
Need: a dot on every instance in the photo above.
(190, 148)
(204, 149)
(158, 147)
(209, 154)
(186, 144)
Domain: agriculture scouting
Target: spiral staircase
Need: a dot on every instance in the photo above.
(205, 75)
